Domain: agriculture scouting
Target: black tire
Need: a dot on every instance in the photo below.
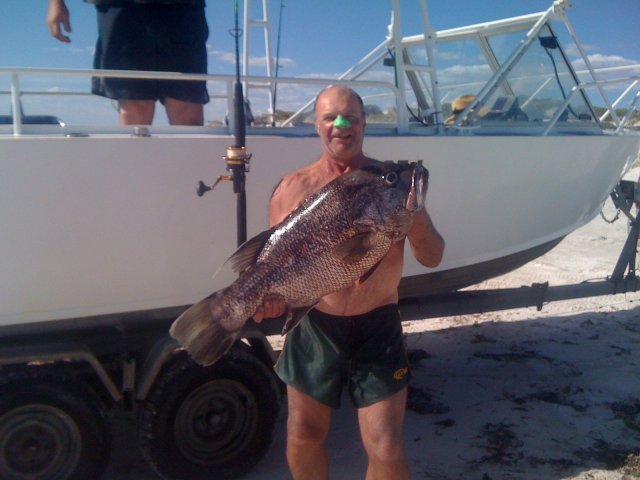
(210, 422)
(51, 428)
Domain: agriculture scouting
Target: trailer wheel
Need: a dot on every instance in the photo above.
(210, 422)
(51, 428)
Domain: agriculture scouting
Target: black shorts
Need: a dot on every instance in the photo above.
(152, 37)
(364, 353)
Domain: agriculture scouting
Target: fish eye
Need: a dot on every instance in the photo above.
(391, 178)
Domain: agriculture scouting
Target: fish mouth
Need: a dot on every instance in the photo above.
(418, 191)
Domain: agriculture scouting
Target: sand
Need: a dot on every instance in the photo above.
(518, 394)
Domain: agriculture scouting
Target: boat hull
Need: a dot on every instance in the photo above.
(100, 225)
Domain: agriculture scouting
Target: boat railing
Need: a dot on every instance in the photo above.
(224, 93)
(220, 89)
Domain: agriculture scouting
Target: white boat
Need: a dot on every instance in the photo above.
(104, 242)
(105, 219)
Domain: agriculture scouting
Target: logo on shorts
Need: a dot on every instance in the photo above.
(400, 373)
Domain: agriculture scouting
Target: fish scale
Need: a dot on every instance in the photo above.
(334, 238)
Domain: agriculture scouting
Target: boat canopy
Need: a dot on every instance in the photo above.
(511, 74)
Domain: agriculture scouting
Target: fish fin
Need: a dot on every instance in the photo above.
(247, 253)
(364, 277)
(201, 335)
(355, 248)
(293, 318)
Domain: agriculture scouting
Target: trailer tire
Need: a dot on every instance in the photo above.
(51, 428)
(210, 422)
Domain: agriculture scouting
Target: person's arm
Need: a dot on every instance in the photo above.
(426, 243)
(58, 19)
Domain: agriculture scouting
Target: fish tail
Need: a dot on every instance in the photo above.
(202, 335)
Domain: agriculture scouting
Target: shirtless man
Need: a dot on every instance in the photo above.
(353, 337)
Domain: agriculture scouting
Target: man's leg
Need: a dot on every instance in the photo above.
(381, 426)
(307, 428)
(184, 113)
(136, 112)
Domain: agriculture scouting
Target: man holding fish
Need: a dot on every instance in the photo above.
(353, 337)
(330, 264)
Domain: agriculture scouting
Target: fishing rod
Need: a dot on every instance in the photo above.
(237, 157)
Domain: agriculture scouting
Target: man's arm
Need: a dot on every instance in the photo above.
(278, 205)
(426, 243)
(287, 196)
(57, 17)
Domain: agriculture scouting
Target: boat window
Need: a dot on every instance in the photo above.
(538, 85)
(533, 92)
(462, 71)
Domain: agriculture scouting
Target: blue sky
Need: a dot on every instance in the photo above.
(319, 37)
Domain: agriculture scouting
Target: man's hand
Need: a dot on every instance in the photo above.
(273, 306)
(57, 19)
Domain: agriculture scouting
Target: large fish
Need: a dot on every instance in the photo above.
(334, 238)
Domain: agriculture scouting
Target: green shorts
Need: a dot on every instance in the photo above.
(364, 353)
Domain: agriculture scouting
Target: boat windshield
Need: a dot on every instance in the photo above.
(511, 76)
(532, 91)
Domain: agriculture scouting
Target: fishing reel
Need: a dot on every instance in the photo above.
(237, 160)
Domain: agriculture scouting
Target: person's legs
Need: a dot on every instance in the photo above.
(123, 45)
(181, 36)
(381, 427)
(136, 112)
(180, 112)
(153, 37)
(307, 428)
